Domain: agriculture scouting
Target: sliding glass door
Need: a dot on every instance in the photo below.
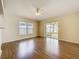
(52, 30)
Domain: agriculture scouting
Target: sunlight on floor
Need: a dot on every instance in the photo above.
(25, 48)
(52, 46)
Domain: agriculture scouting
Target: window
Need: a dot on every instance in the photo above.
(55, 26)
(22, 28)
(25, 28)
(48, 27)
(30, 28)
(52, 28)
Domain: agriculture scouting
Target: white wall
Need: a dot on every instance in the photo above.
(11, 29)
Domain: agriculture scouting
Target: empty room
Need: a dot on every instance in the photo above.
(39, 29)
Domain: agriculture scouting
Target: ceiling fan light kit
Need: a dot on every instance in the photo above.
(37, 12)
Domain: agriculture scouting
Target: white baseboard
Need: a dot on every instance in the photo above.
(69, 41)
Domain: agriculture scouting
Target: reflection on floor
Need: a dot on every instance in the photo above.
(54, 36)
(52, 46)
(40, 48)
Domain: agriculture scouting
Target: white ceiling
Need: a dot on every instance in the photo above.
(48, 8)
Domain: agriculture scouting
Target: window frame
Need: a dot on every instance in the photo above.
(26, 29)
(52, 28)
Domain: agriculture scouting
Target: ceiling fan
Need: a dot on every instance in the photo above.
(37, 12)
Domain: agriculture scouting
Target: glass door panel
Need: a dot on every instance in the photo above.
(52, 30)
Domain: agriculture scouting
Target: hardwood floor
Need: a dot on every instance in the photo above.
(40, 48)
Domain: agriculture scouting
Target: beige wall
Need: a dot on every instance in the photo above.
(38, 28)
(68, 27)
(11, 29)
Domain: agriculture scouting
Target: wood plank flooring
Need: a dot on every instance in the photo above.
(40, 48)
